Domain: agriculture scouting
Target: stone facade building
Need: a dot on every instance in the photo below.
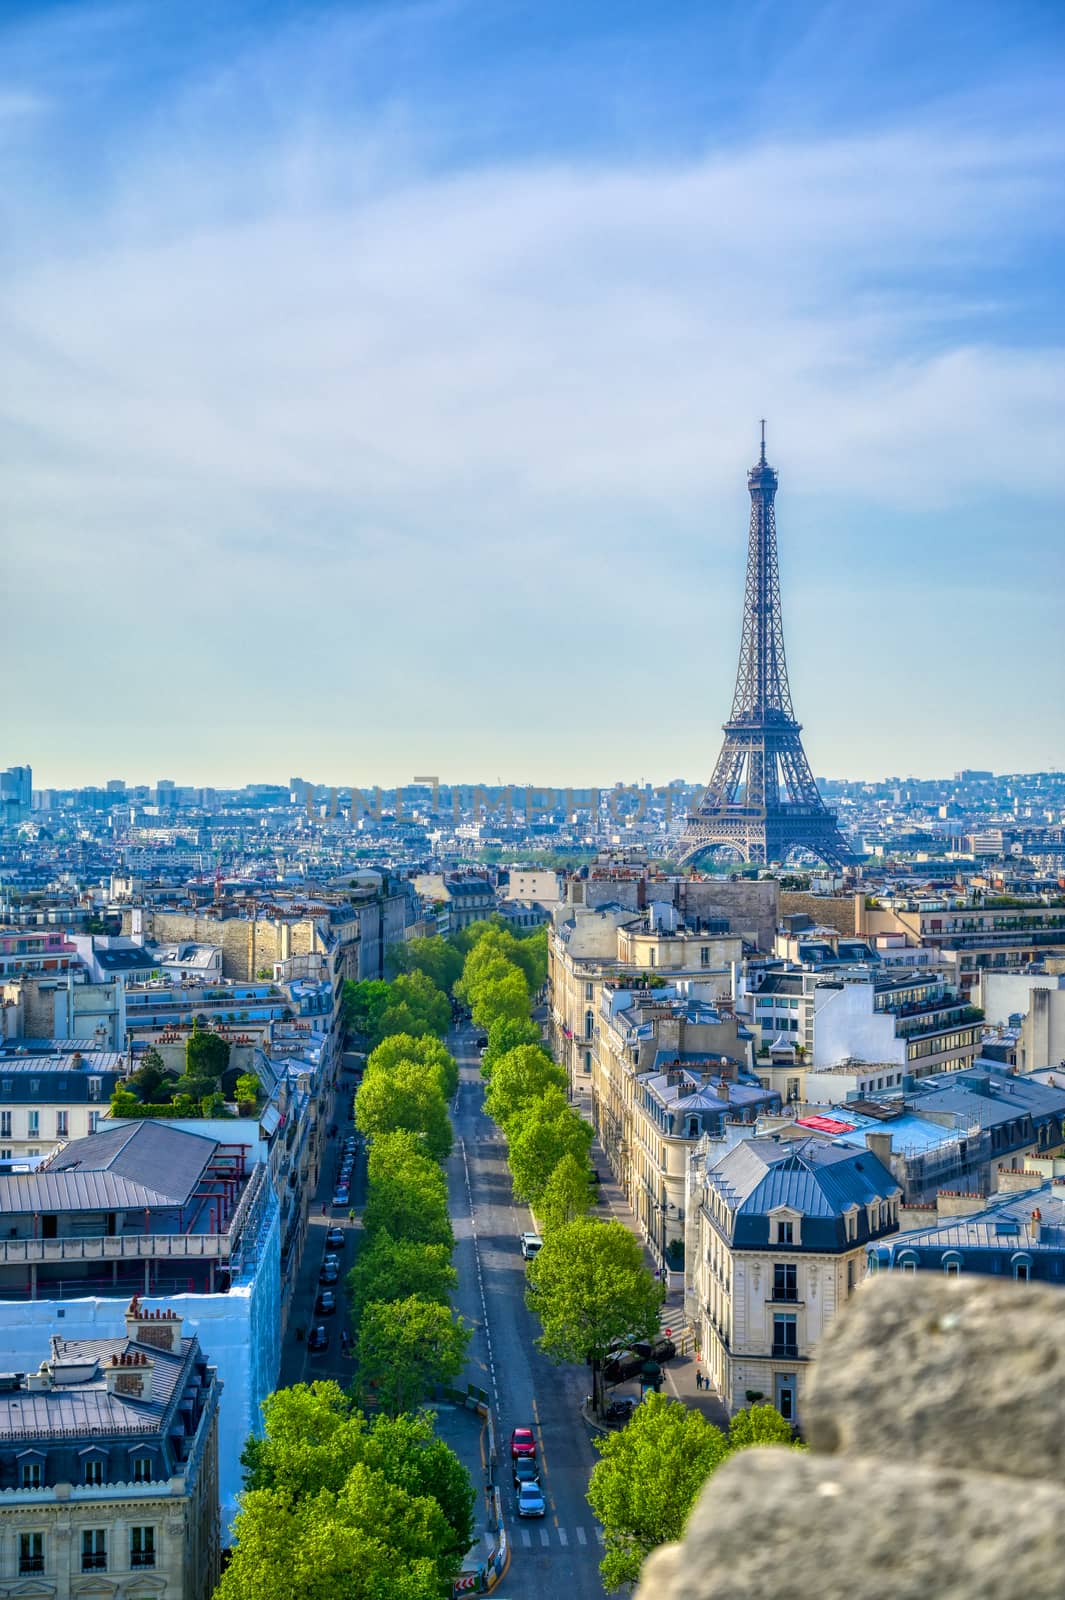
(777, 1238)
(109, 1468)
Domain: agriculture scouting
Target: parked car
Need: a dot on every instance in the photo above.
(531, 1245)
(629, 1363)
(334, 1238)
(620, 1411)
(318, 1339)
(326, 1303)
(341, 1195)
(329, 1272)
(481, 1041)
(522, 1443)
(531, 1501)
(525, 1470)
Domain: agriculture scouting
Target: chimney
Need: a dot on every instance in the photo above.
(130, 1375)
(161, 1329)
(880, 1145)
(722, 1091)
(1036, 1224)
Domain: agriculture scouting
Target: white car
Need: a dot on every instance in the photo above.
(531, 1245)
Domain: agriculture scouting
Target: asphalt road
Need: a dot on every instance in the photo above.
(561, 1553)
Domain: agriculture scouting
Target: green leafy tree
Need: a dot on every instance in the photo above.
(522, 1075)
(415, 1006)
(590, 1289)
(567, 1195)
(530, 954)
(393, 1269)
(407, 1192)
(407, 1097)
(758, 1425)
(504, 1035)
(438, 959)
(646, 1481)
(364, 1005)
(406, 1347)
(538, 1136)
(427, 1049)
(206, 1055)
(505, 997)
(314, 1433)
(152, 1082)
(248, 1088)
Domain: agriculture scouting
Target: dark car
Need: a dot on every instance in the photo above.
(334, 1238)
(318, 1340)
(522, 1443)
(481, 1041)
(329, 1272)
(620, 1411)
(326, 1303)
(629, 1363)
(525, 1471)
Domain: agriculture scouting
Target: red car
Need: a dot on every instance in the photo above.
(522, 1444)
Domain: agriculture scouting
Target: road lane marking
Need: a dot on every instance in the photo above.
(562, 1536)
(582, 1537)
(526, 1538)
(545, 1537)
(599, 1535)
(480, 1275)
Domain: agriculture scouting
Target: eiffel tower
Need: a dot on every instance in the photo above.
(762, 799)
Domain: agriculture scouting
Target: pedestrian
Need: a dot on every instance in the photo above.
(698, 1380)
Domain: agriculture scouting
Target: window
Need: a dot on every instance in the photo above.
(1022, 1271)
(31, 1474)
(5, 1124)
(951, 1266)
(142, 1547)
(33, 1124)
(589, 1023)
(142, 1469)
(785, 1281)
(850, 1277)
(587, 1061)
(785, 1335)
(94, 1120)
(589, 991)
(785, 1231)
(62, 1124)
(94, 1550)
(653, 958)
(30, 1553)
(94, 1088)
(704, 956)
(94, 1470)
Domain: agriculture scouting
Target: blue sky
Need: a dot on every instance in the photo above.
(378, 382)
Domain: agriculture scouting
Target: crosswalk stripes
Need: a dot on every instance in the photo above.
(525, 1536)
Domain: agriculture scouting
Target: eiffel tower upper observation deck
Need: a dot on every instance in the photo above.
(762, 800)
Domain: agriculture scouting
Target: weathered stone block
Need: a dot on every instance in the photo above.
(958, 1372)
(792, 1525)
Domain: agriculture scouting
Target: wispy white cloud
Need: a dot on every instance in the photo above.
(377, 375)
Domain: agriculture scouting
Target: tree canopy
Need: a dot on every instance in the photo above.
(646, 1481)
(506, 1034)
(522, 1075)
(568, 1193)
(590, 1289)
(411, 1004)
(407, 1192)
(436, 957)
(206, 1054)
(758, 1424)
(539, 1134)
(405, 1347)
(387, 1268)
(426, 1048)
(336, 1505)
(408, 1096)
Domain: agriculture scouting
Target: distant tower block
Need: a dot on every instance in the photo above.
(762, 800)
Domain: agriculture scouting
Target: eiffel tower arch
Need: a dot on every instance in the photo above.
(762, 800)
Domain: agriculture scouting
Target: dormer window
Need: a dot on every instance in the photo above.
(94, 1470)
(31, 1470)
(142, 1469)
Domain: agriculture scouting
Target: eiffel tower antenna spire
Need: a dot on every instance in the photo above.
(762, 800)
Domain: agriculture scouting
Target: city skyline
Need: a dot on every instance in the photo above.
(386, 380)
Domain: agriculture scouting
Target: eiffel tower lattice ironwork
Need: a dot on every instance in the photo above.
(762, 799)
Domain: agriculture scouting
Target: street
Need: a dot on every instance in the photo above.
(563, 1550)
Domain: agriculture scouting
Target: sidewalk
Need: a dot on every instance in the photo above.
(467, 1434)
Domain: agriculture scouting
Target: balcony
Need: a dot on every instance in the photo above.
(142, 1558)
(28, 1565)
(784, 1352)
(94, 1561)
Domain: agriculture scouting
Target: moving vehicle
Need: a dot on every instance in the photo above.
(531, 1245)
(522, 1443)
(341, 1195)
(481, 1041)
(318, 1339)
(334, 1238)
(525, 1470)
(326, 1303)
(531, 1501)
